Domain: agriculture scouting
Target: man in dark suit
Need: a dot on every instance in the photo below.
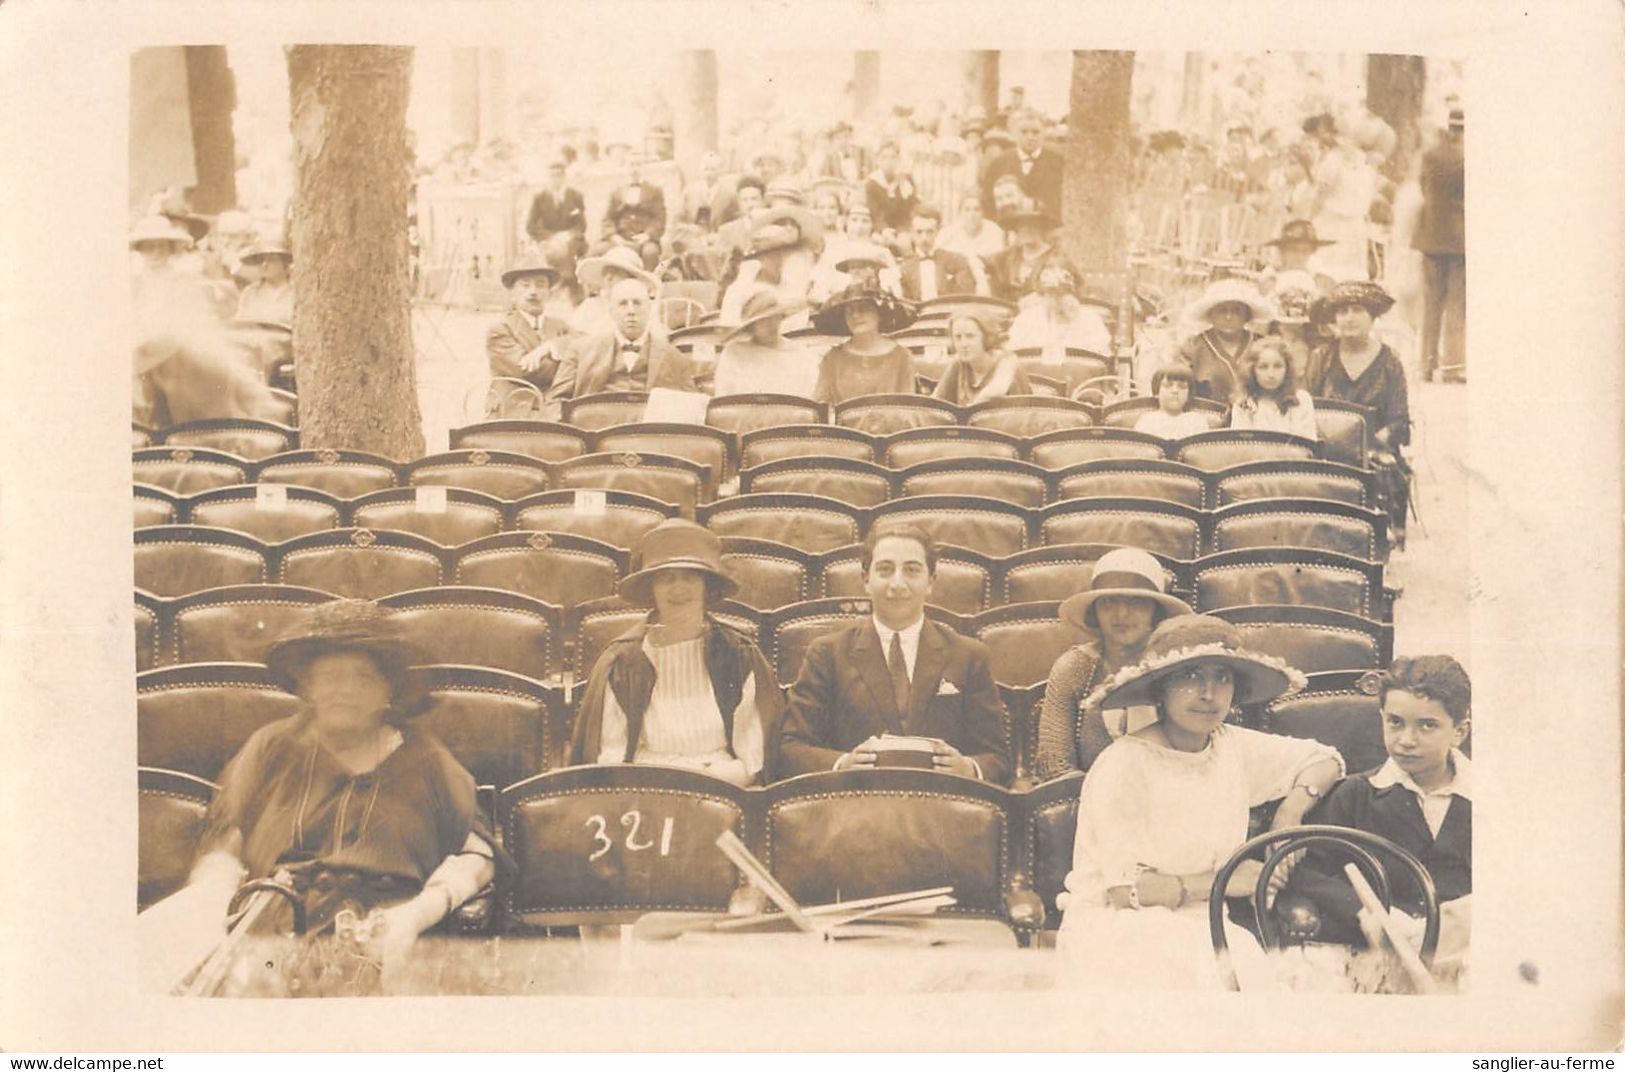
(895, 673)
(558, 209)
(1039, 169)
(522, 344)
(645, 195)
(629, 358)
(1441, 238)
(929, 272)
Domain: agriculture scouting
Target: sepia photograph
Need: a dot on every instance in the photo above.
(735, 517)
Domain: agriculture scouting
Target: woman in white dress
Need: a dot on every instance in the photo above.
(1165, 806)
(756, 358)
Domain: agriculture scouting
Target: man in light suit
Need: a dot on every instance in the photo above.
(522, 344)
(1038, 169)
(895, 673)
(630, 358)
(929, 272)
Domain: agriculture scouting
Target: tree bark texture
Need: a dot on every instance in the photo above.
(696, 117)
(353, 350)
(981, 71)
(212, 97)
(1394, 89)
(1095, 187)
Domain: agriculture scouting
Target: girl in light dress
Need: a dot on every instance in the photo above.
(1269, 399)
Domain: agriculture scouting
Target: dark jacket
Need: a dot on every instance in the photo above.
(1042, 183)
(1441, 228)
(953, 275)
(549, 214)
(513, 337)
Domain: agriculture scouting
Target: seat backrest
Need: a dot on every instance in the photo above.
(1127, 412)
(170, 824)
(172, 560)
(1137, 479)
(608, 844)
(150, 616)
(1342, 427)
(559, 568)
(483, 627)
(502, 727)
(1069, 446)
(1339, 708)
(593, 412)
(1288, 575)
(1076, 367)
(844, 835)
(448, 516)
(140, 436)
(992, 526)
(1163, 528)
(345, 474)
(710, 447)
(548, 441)
(496, 473)
(849, 480)
(1025, 416)
(770, 575)
(912, 447)
(1315, 523)
(1312, 639)
(1050, 814)
(809, 523)
(1212, 451)
(237, 624)
(793, 629)
(1294, 480)
(965, 583)
(184, 470)
(799, 440)
(194, 718)
(881, 415)
(1055, 571)
(747, 413)
(156, 506)
(618, 518)
(1026, 639)
(1010, 479)
(679, 481)
(362, 563)
(269, 512)
(243, 437)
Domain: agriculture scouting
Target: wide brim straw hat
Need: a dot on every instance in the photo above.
(784, 227)
(1128, 572)
(1223, 292)
(1299, 233)
(676, 544)
(530, 264)
(895, 313)
(159, 229)
(1364, 293)
(353, 625)
(591, 269)
(1189, 639)
(763, 304)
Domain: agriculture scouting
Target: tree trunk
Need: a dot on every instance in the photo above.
(212, 94)
(1190, 101)
(865, 84)
(1095, 187)
(696, 118)
(981, 71)
(1394, 88)
(352, 332)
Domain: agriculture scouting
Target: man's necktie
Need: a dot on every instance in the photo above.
(899, 673)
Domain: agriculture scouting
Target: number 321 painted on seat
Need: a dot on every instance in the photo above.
(632, 821)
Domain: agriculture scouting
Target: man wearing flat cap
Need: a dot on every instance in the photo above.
(522, 344)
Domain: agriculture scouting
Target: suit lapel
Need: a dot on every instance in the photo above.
(520, 326)
(871, 664)
(1406, 811)
(929, 663)
(595, 366)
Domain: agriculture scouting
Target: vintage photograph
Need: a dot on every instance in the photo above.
(741, 522)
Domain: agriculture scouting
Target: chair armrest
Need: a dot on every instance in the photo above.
(747, 900)
(1023, 908)
(477, 915)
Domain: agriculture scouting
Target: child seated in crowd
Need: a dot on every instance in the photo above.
(1269, 399)
(1171, 419)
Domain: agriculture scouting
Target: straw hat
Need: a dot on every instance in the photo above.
(591, 269)
(1299, 233)
(154, 229)
(1370, 296)
(762, 305)
(895, 313)
(1127, 571)
(784, 188)
(352, 625)
(1181, 641)
(676, 544)
(869, 255)
(1223, 292)
(266, 250)
(784, 227)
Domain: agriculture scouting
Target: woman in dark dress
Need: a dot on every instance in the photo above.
(869, 362)
(1356, 367)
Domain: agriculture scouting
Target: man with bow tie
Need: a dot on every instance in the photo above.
(895, 673)
(1039, 169)
(629, 358)
(929, 271)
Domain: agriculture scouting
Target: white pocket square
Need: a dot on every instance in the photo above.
(947, 688)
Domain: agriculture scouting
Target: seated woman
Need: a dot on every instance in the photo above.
(757, 358)
(868, 362)
(349, 801)
(1269, 399)
(1126, 598)
(1166, 805)
(981, 368)
(1171, 385)
(1056, 318)
(1214, 354)
(679, 689)
(1355, 367)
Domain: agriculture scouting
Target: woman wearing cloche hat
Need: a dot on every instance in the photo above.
(1126, 598)
(679, 689)
(757, 358)
(1167, 804)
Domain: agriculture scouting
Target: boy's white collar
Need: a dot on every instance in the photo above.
(1461, 785)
